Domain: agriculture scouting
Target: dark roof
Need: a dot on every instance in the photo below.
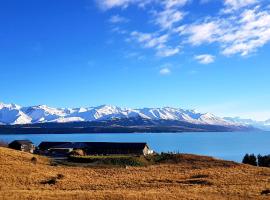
(102, 145)
(21, 142)
(115, 148)
(122, 145)
(74, 145)
(48, 145)
(93, 145)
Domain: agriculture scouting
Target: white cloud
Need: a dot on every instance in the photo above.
(167, 18)
(205, 32)
(115, 19)
(170, 13)
(150, 40)
(168, 51)
(109, 4)
(205, 58)
(240, 33)
(237, 4)
(251, 31)
(165, 71)
(174, 3)
(155, 41)
(240, 27)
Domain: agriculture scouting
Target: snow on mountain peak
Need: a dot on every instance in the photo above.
(14, 114)
(10, 106)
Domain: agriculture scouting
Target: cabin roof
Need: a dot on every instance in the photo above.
(74, 145)
(21, 142)
(93, 145)
(47, 145)
(122, 145)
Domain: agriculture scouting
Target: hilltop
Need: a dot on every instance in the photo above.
(187, 177)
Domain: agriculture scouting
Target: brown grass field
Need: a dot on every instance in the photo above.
(194, 177)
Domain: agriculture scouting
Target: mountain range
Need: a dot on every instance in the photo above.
(15, 115)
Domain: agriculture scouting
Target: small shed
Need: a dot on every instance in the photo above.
(22, 145)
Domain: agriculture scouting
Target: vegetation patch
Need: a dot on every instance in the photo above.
(156, 159)
(196, 182)
(109, 160)
(264, 161)
(34, 160)
(164, 158)
(265, 192)
(60, 176)
(250, 159)
(261, 161)
(53, 180)
(200, 176)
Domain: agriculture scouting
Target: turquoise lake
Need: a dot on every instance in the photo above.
(224, 145)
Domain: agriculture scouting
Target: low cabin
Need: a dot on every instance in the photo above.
(117, 148)
(96, 148)
(22, 145)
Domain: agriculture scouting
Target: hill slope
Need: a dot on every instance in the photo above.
(192, 177)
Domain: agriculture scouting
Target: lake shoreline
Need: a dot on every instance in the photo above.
(222, 145)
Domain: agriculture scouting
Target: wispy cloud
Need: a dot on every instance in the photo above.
(149, 40)
(165, 71)
(240, 27)
(168, 17)
(205, 58)
(115, 19)
(240, 33)
(155, 41)
(168, 51)
(109, 4)
(232, 5)
(199, 33)
(174, 3)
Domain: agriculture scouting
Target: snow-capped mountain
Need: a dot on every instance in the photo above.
(264, 125)
(14, 114)
(11, 114)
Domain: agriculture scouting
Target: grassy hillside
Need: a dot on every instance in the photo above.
(185, 177)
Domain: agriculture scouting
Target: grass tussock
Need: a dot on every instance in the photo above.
(172, 177)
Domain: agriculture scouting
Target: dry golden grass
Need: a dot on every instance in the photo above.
(195, 177)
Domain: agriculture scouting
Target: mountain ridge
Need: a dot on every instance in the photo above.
(13, 114)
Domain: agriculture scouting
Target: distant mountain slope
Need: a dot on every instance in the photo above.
(264, 125)
(14, 114)
(120, 125)
(114, 118)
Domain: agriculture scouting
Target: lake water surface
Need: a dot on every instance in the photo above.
(229, 146)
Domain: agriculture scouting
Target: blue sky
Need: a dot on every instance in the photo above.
(209, 55)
